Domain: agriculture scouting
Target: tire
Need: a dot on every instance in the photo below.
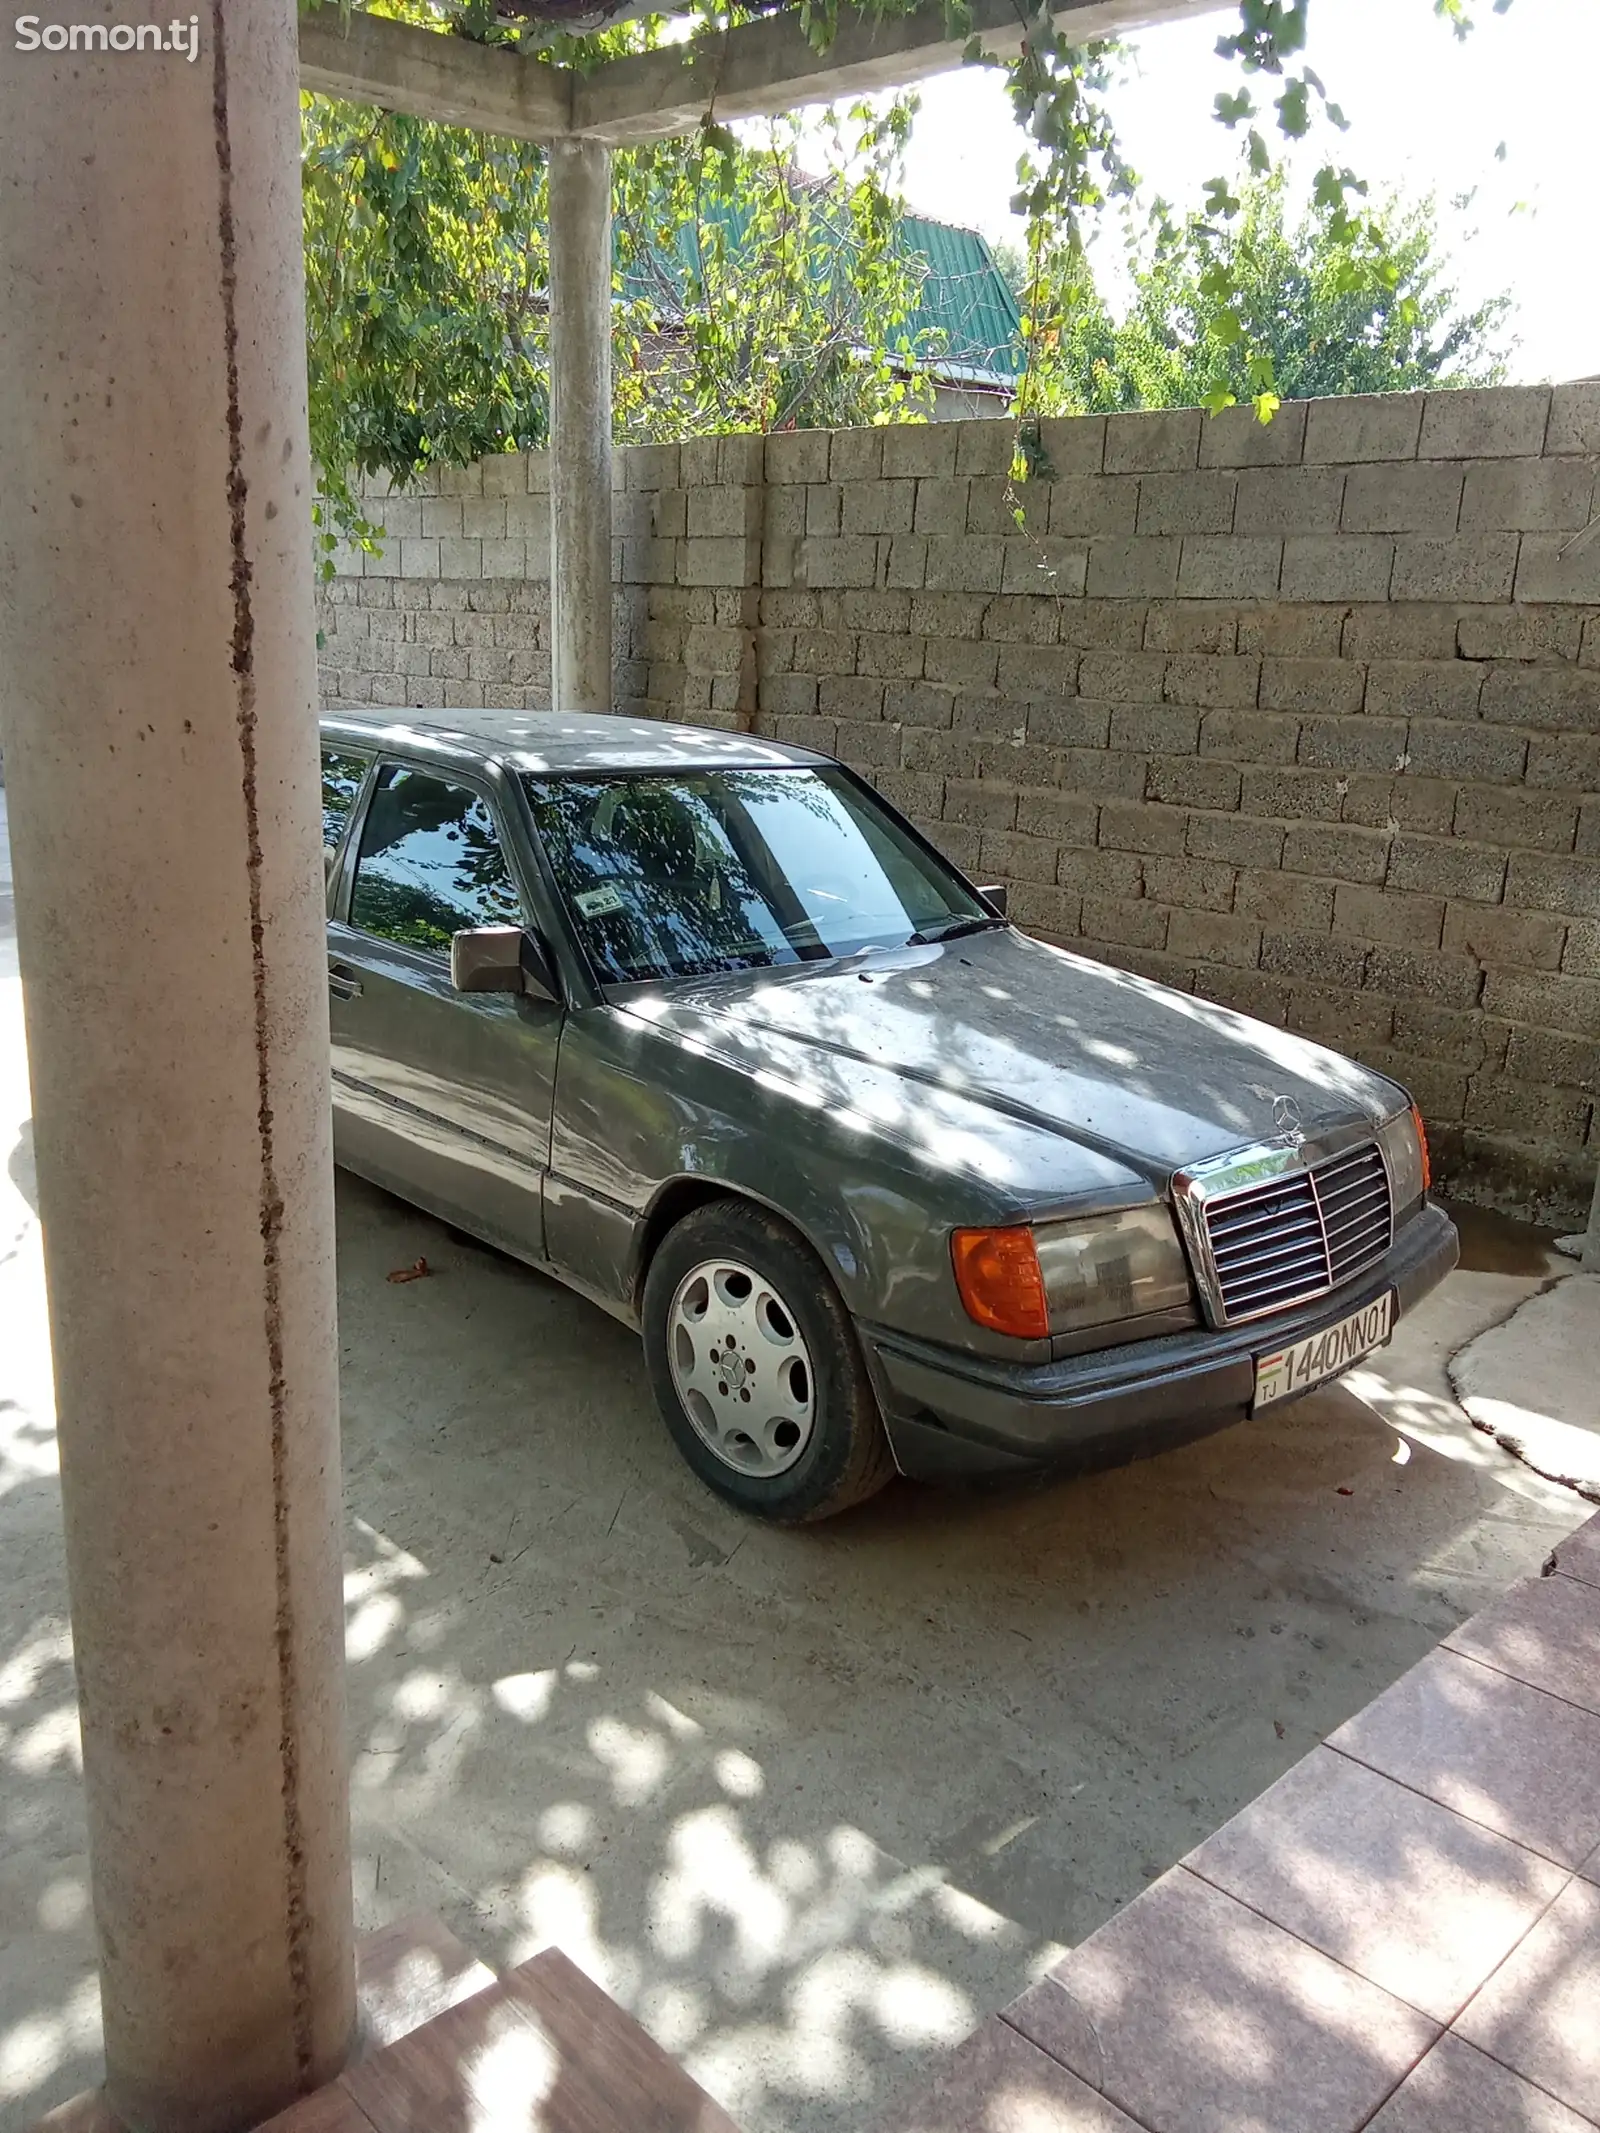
(756, 1368)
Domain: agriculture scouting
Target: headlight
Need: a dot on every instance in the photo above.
(1107, 1267)
(1405, 1150)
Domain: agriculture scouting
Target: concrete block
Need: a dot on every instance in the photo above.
(1361, 1025)
(893, 656)
(1473, 566)
(483, 518)
(1237, 437)
(1191, 884)
(724, 512)
(1363, 743)
(1228, 567)
(460, 558)
(1093, 503)
(1400, 919)
(1301, 631)
(1073, 444)
(505, 474)
(907, 566)
(1215, 937)
(1411, 498)
(741, 459)
(697, 462)
(1561, 699)
(965, 562)
(1127, 569)
(1212, 684)
(917, 703)
(1121, 921)
(1148, 728)
(1293, 794)
(985, 446)
(727, 562)
(1122, 677)
(1574, 424)
(1486, 422)
(1314, 958)
(1405, 802)
(1050, 569)
(937, 748)
(1142, 826)
(824, 513)
(1573, 761)
(878, 506)
(1068, 722)
(1329, 687)
(1364, 427)
(789, 695)
(856, 455)
(983, 804)
(1190, 781)
(868, 745)
(538, 466)
(851, 560)
(959, 660)
(824, 652)
(1490, 933)
(1413, 632)
(1297, 902)
(1531, 495)
(1445, 748)
(1520, 633)
(1060, 816)
(1166, 442)
(1250, 736)
(1561, 1003)
(1423, 974)
(941, 506)
(1344, 566)
(1530, 1109)
(918, 449)
(1558, 567)
(650, 466)
(993, 503)
(1581, 956)
(460, 481)
(1517, 819)
(1113, 625)
(1210, 627)
(1102, 771)
(1019, 858)
(1186, 503)
(947, 614)
(1424, 688)
(1028, 671)
(669, 512)
(441, 517)
(1336, 851)
(1239, 840)
(1440, 866)
(1542, 882)
(1290, 500)
(419, 559)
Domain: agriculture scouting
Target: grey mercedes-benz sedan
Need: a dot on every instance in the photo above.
(702, 1027)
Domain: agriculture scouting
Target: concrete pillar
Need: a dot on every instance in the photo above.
(157, 678)
(580, 425)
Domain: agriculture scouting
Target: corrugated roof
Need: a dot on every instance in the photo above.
(965, 325)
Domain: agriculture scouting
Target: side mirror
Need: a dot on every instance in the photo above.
(998, 897)
(502, 959)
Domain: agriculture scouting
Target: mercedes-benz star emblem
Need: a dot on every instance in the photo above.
(1286, 1117)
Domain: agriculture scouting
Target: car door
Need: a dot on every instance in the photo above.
(442, 1097)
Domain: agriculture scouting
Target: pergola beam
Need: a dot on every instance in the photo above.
(750, 71)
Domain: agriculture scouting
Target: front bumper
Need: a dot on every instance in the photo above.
(951, 1415)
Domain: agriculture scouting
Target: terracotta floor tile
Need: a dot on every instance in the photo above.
(1511, 1757)
(1546, 1632)
(1578, 1556)
(1197, 2016)
(1000, 2083)
(1457, 2090)
(1403, 1891)
(1540, 2013)
(409, 1971)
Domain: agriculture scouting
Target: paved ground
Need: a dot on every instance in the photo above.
(812, 1804)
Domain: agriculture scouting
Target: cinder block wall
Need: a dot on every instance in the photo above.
(1303, 718)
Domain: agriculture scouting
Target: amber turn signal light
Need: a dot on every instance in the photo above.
(997, 1274)
(1422, 1149)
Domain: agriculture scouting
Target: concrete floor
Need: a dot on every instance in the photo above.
(809, 1803)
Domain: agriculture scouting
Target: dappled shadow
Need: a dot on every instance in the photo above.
(809, 1803)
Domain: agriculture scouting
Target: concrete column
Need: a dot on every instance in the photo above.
(580, 425)
(157, 677)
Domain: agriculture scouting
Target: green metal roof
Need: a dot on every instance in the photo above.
(965, 326)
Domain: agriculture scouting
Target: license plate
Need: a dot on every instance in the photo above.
(1323, 1355)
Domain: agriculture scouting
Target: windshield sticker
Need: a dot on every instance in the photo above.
(601, 902)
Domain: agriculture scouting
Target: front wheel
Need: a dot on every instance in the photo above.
(756, 1368)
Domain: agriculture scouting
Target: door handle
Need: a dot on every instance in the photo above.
(343, 982)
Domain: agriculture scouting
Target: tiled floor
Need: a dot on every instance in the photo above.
(1402, 1934)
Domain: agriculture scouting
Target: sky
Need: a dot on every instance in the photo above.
(1426, 115)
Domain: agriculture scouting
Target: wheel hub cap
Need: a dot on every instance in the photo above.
(741, 1367)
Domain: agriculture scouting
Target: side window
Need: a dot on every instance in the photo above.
(430, 863)
(342, 777)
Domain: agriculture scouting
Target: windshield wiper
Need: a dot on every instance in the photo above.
(953, 931)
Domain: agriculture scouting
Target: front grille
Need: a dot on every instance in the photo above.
(1297, 1237)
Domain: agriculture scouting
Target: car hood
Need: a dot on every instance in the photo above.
(1128, 1070)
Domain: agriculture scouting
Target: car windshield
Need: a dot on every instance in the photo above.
(687, 873)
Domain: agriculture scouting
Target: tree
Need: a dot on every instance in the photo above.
(1332, 312)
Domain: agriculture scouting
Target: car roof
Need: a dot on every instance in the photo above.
(563, 741)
